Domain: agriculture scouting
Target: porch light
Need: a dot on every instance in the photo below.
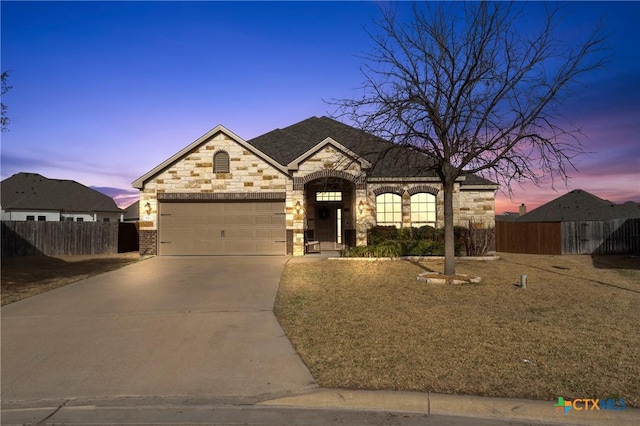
(147, 208)
(298, 207)
(361, 207)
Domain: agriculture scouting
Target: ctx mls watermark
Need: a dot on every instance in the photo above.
(589, 404)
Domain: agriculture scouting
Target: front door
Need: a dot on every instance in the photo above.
(329, 226)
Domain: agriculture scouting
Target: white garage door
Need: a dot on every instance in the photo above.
(222, 228)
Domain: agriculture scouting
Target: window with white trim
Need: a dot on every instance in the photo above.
(329, 196)
(423, 209)
(221, 162)
(389, 210)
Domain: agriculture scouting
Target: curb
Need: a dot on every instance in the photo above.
(414, 258)
(456, 405)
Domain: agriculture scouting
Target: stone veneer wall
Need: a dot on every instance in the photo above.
(194, 174)
(337, 163)
(477, 205)
(248, 173)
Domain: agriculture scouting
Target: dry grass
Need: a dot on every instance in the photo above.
(574, 332)
(24, 277)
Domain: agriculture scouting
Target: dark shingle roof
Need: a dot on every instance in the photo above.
(26, 191)
(286, 145)
(581, 205)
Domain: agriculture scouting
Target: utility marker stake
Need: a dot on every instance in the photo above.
(523, 281)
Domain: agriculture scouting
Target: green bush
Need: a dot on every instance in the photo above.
(425, 233)
(389, 241)
(424, 248)
(380, 234)
(359, 251)
(407, 234)
(388, 249)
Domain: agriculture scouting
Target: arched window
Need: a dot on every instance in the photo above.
(221, 162)
(389, 210)
(423, 209)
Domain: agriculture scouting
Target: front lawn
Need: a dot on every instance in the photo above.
(574, 332)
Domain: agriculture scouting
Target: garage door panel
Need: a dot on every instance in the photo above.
(219, 228)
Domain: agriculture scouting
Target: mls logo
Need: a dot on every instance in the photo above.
(563, 405)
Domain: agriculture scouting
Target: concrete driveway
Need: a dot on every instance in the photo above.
(163, 327)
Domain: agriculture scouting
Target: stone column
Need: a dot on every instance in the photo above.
(296, 211)
(365, 216)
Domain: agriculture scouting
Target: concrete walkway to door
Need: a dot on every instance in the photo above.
(163, 327)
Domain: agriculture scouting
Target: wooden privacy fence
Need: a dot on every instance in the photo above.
(529, 237)
(619, 236)
(616, 236)
(66, 238)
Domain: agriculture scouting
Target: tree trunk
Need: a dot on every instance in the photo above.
(449, 238)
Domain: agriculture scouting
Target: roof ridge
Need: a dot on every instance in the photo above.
(587, 193)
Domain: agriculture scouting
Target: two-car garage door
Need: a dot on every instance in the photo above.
(222, 228)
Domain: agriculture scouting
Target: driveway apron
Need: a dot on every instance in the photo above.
(165, 326)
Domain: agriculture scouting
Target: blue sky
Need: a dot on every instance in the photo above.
(104, 91)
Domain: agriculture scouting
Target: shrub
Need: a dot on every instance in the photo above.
(406, 234)
(476, 238)
(388, 249)
(425, 233)
(389, 241)
(380, 234)
(359, 251)
(424, 248)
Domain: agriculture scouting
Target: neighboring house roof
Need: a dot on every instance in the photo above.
(507, 217)
(132, 212)
(31, 191)
(581, 205)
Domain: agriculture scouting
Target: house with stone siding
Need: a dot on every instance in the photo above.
(317, 180)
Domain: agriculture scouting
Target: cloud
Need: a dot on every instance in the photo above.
(122, 197)
(113, 192)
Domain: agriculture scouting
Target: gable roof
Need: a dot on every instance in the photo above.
(138, 183)
(293, 165)
(288, 144)
(388, 160)
(285, 149)
(581, 205)
(31, 191)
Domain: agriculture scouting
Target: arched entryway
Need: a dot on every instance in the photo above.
(330, 211)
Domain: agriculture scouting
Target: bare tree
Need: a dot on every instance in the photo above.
(4, 119)
(467, 89)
